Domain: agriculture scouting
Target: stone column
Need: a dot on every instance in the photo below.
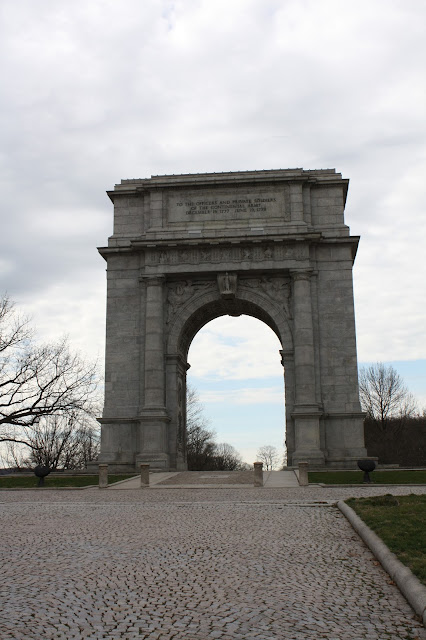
(154, 342)
(287, 360)
(176, 368)
(296, 203)
(306, 412)
(154, 418)
(303, 338)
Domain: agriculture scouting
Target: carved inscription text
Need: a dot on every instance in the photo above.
(234, 206)
(258, 206)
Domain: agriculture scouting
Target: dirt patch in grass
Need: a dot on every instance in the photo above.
(400, 521)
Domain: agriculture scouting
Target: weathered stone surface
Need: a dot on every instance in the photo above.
(103, 476)
(264, 564)
(144, 469)
(258, 474)
(187, 249)
(303, 474)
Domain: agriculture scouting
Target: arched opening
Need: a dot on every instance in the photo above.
(192, 316)
(236, 369)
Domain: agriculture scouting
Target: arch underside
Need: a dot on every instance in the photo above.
(191, 318)
(216, 309)
(206, 307)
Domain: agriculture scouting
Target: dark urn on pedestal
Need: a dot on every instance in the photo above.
(41, 472)
(367, 466)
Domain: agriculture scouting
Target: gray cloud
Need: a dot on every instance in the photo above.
(95, 92)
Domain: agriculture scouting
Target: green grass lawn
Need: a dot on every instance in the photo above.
(12, 482)
(400, 521)
(377, 477)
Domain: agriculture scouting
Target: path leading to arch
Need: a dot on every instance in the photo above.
(210, 480)
(228, 564)
(283, 478)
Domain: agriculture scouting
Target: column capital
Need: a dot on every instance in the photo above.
(301, 274)
(157, 279)
(286, 356)
(178, 360)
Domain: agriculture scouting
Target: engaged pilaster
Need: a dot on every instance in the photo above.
(304, 355)
(176, 368)
(154, 418)
(287, 360)
(154, 342)
(306, 412)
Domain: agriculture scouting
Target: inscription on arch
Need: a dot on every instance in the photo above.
(229, 205)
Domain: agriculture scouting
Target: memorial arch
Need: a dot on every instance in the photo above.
(187, 249)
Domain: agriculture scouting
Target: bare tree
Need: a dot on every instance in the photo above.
(195, 410)
(269, 456)
(200, 443)
(203, 453)
(285, 457)
(38, 381)
(384, 395)
(58, 442)
(227, 458)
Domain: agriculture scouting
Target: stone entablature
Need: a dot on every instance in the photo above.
(255, 203)
(187, 249)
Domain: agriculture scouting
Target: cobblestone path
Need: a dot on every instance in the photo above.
(191, 565)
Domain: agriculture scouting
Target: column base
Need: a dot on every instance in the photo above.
(154, 423)
(313, 458)
(156, 461)
(306, 419)
(119, 444)
(346, 462)
(113, 468)
(344, 439)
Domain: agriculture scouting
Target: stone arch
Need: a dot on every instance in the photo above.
(194, 314)
(201, 309)
(187, 249)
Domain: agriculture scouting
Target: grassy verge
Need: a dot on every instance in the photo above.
(377, 477)
(400, 521)
(29, 482)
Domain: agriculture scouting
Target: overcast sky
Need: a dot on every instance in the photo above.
(96, 91)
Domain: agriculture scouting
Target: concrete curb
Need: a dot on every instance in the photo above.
(410, 586)
(363, 484)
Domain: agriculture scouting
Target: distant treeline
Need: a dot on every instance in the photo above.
(401, 441)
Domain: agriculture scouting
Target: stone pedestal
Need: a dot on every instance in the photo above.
(103, 476)
(144, 470)
(153, 441)
(258, 474)
(303, 474)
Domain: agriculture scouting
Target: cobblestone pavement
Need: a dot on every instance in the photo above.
(181, 564)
